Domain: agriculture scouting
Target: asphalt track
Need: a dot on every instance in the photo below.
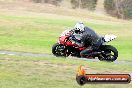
(49, 55)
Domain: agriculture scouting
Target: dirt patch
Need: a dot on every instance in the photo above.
(20, 8)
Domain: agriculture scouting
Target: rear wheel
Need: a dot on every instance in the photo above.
(59, 50)
(109, 53)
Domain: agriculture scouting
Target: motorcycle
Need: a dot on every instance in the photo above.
(66, 46)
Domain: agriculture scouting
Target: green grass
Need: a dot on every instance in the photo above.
(72, 61)
(38, 33)
(31, 31)
(52, 72)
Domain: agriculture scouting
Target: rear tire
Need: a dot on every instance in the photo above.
(109, 53)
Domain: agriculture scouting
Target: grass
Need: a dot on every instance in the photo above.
(51, 72)
(35, 28)
(71, 61)
(38, 33)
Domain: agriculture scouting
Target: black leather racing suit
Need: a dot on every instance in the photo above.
(90, 40)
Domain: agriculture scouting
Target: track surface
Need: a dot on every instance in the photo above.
(44, 55)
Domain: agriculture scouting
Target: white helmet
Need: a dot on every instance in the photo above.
(79, 27)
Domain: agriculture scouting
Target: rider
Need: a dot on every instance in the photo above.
(85, 37)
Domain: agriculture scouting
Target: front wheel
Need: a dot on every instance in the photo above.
(59, 50)
(109, 53)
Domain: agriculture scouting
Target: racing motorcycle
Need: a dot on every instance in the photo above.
(66, 46)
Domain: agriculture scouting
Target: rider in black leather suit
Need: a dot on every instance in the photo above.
(88, 39)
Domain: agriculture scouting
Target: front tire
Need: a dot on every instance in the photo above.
(59, 50)
(109, 53)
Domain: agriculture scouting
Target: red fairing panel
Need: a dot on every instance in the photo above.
(82, 48)
(70, 44)
(62, 39)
